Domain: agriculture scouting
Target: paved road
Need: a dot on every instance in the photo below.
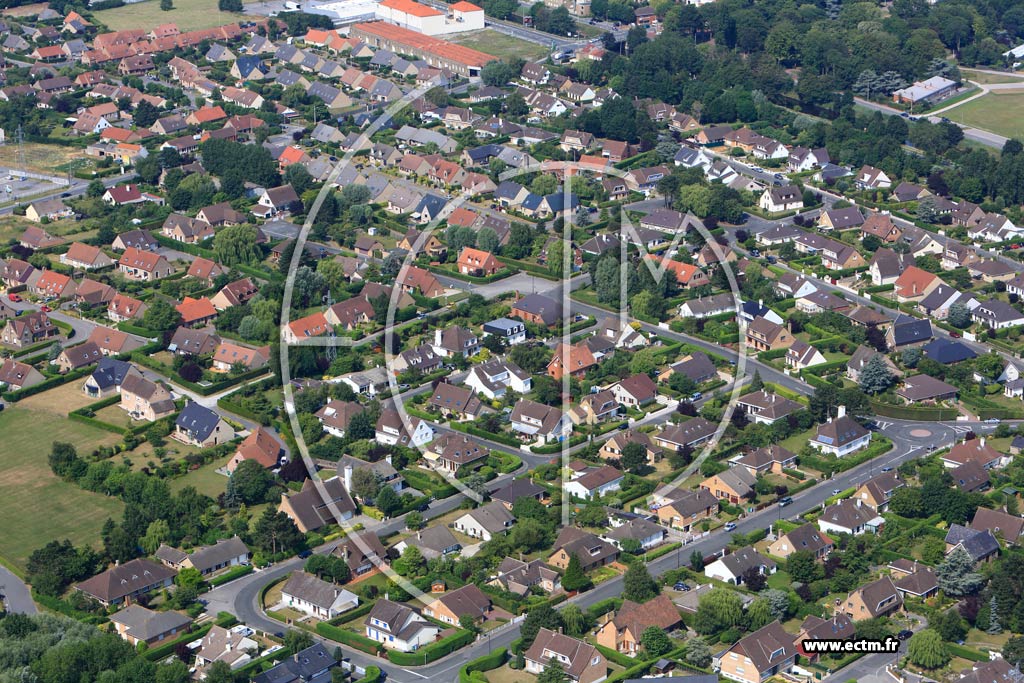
(83, 328)
(77, 188)
(976, 134)
(15, 594)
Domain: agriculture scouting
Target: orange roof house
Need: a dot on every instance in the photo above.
(462, 217)
(196, 311)
(291, 155)
(915, 284)
(206, 115)
(686, 274)
(413, 8)
(580, 360)
(478, 262)
(313, 325)
(260, 446)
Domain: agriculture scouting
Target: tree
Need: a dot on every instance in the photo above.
(229, 5)
(778, 603)
(634, 458)
(414, 521)
(95, 189)
(875, 376)
(756, 383)
(166, 5)
(188, 577)
(410, 563)
(758, 614)
(637, 584)
(251, 482)
(575, 579)
(220, 672)
(64, 460)
(698, 653)
(236, 244)
(487, 240)
(926, 650)
(576, 622)
(754, 579)
(157, 532)
(959, 316)
(387, 501)
(553, 671)
(161, 316)
(950, 626)
(275, 532)
(297, 641)
(1013, 651)
(365, 483)
(956, 574)
(655, 641)
(718, 610)
(697, 561)
(361, 426)
(537, 618)
(801, 566)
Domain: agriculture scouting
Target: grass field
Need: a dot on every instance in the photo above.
(42, 158)
(37, 506)
(995, 112)
(60, 400)
(987, 78)
(499, 44)
(12, 226)
(205, 479)
(25, 10)
(189, 15)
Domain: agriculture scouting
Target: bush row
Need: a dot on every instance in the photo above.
(361, 643)
(434, 651)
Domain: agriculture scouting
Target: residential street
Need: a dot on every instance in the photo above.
(15, 594)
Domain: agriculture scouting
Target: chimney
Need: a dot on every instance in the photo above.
(348, 478)
(841, 412)
(437, 337)
(982, 442)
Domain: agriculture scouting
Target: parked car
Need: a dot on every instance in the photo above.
(954, 335)
(14, 297)
(730, 526)
(836, 492)
(696, 396)
(783, 502)
(680, 586)
(887, 469)
(45, 309)
(904, 634)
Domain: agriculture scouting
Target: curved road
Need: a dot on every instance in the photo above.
(15, 594)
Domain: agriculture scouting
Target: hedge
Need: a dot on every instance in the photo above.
(434, 651)
(551, 448)
(234, 573)
(486, 663)
(372, 675)
(45, 385)
(503, 273)
(912, 413)
(967, 653)
(361, 643)
(615, 657)
(212, 388)
(65, 608)
(476, 431)
(352, 614)
(256, 666)
(167, 649)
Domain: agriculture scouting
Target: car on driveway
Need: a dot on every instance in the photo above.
(14, 297)
(904, 634)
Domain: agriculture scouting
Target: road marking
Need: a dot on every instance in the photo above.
(959, 429)
(410, 671)
(883, 425)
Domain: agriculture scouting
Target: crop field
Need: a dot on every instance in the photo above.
(39, 507)
(189, 15)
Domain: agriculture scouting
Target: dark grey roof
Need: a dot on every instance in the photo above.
(199, 421)
(307, 666)
(548, 309)
(908, 330)
(518, 488)
(110, 372)
(946, 351)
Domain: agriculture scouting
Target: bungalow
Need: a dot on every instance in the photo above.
(908, 331)
(537, 309)
(468, 601)
(196, 312)
(318, 504)
(635, 391)
(592, 482)
(485, 522)
(691, 433)
(544, 423)
(51, 209)
(453, 452)
(144, 265)
(193, 342)
(85, 257)
(127, 581)
(613, 447)
(980, 545)
(80, 356)
(840, 436)
(773, 459)
(976, 450)
(433, 542)
(997, 315)
(138, 625)
(518, 577)
(646, 533)
(683, 509)
(315, 597)
(731, 568)
(229, 356)
(227, 552)
(849, 516)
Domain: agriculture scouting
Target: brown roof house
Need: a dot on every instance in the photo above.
(765, 408)
(518, 576)
(682, 508)
(260, 446)
(1002, 525)
(124, 582)
(85, 257)
(805, 537)
(453, 451)
(199, 426)
(734, 484)
(759, 656)
(136, 624)
(622, 632)
(317, 504)
(15, 375)
(467, 601)
(877, 599)
(764, 335)
(773, 458)
(145, 400)
(592, 551)
(635, 391)
(877, 491)
(841, 436)
(80, 356)
(28, 329)
(580, 661)
(144, 265)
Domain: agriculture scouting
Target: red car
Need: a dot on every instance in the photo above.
(14, 297)
(45, 309)
(954, 335)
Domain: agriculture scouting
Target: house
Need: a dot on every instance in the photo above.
(196, 312)
(803, 538)
(765, 408)
(144, 265)
(635, 391)
(260, 446)
(925, 388)
(53, 285)
(877, 491)
(477, 263)
(229, 356)
(647, 534)
(28, 329)
(415, 279)
(454, 401)
(399, 627)
(126, 581)
(841, 436)
(804, 159)
(580, 661)
(980, 545)
(15, 375)
(732, 567)
(227, 552)
(947, 352)
(80, 356)
(996, 315)
(311, 595)
(187, 341)
(199, 426)
(318, 503)
(518, 577)
(976, 450)
(362, 551)
(914, 284)
(880, 226)
(706, 307)
(691, 433)
(920, 583)
(313, 325)
(758, 656)
(51, 209)
(849, 516)
(908, 331)
(275, 201)
(837, 627)
(682, 509)
(871, 178)
(886, 266)
(485, 522)
(105, 380)
(312, 664)
(136, 624)
(734, 484)
(781, 198)
(451, 452)
(802, 355)
(433, 542)
(137, 239)
(537, 309)
(622, 632)
(578, 358)
(592, 482)
(957, 255)
(764, 335)
(541, 422)
(772, 459)
(468, 601)
(687, 274)
(493, 377)
(383, 472)
(877, 599)
(145, 400)
(592, 551)
(1000, 524)
(85, 257)
(232, 647)
(120, 195)
(234, 294)
(612, 448)
(697, 366)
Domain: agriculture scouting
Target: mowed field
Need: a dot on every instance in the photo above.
(500, 45)
(987, 78)
(42, 158)
(997, 112)
(189, 15)
(35, 506)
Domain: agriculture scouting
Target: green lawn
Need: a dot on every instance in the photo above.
(206, 479)
(987, 78)
(498, 44)
(997, 112)
(189, 15)
(37, 506)
(796, 442)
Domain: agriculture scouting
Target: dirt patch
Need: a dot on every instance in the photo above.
(25, 10)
